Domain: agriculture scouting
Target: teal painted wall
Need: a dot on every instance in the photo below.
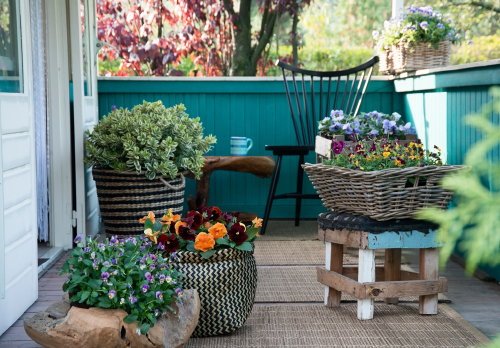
(438, 104)
(255, 108)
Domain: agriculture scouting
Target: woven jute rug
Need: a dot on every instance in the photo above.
(311, 252)
(298, 284)
(319, 326)
(286, 230)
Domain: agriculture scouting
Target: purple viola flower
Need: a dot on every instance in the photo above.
(161, 278)
(347, 129)
(424, 25)
(337, 115)
(440, 26)
(396, 116)
(335, 127)
(101, 246)
(113, 107)
(77, 238)
(113, 261)
(388, 126)
(149, 277)
(373, 132)
(145, 288)
(104, 276)
(86, 249)
(132, 299)
(111, 294)
(159, 295)
(337, 147)
(106, 264)
(406, 128)
(153, 257)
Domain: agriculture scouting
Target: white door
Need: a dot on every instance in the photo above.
(18, 222)
(84, 72)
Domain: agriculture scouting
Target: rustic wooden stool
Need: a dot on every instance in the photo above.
(388, 282)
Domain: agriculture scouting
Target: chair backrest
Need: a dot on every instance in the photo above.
(307, 109)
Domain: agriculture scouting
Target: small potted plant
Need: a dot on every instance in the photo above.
(420, 39)
(340, 129)
(128, 274)
(215, 252)
(381, 178)
(139, 157)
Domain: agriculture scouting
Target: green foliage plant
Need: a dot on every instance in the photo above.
(417, 25)
(474, 223)
(129, 274)
(150, 139)
(481, 48)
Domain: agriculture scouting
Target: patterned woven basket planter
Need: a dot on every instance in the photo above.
(395, 193)
(125, 197)
(323, 146)
(226, 283)
(420, 57)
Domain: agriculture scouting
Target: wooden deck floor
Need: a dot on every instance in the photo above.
(476, 300)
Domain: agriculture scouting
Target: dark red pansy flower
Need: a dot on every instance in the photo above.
(237, 234)
(186, 233)
(170, 242)
(194, 219)
(214, 213)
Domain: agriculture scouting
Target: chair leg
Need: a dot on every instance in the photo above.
(300, 181)
(270, 196)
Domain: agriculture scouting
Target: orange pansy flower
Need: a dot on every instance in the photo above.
(179, 224)
(150, 216)
(153, 236)
(169, 217)
(257, 222)
(204, 242)
(218, 230)
(207, 225)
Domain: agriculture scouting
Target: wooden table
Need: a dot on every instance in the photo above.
(367, 282)
(261, 166)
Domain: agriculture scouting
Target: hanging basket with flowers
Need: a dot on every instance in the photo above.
(381, 178)
(214, 250)
(420, 39)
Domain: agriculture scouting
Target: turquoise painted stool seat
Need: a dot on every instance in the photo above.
(366, 281)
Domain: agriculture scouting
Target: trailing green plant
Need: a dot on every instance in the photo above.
(129, 274)
(149, 139)
(474, 223)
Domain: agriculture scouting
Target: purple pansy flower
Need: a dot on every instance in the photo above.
(77, 238)
(337, 147)
(104, 276)
(145, 288)
(132, 299)
(111, 294)
(159, 295)
(424, 25)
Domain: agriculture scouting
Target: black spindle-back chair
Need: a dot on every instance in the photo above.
(311, 95)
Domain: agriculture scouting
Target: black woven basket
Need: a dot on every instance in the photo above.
(226, 283)
(125, 197)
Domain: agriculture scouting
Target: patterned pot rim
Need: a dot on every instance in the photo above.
(219, 255)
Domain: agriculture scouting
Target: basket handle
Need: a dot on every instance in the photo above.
(173, 187)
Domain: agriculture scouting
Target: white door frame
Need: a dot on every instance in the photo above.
(58, 109)
(19, 270)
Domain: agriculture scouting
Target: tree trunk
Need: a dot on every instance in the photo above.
(242, 40)
(295, 39)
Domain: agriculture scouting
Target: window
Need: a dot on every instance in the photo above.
(11, 80)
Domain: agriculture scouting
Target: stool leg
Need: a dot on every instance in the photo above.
(270, 196)
(366, 274)
(429, 259)
(392, 269)
(334, 258)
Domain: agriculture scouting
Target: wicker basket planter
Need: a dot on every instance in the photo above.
(400, 58)
(226, 284)
(385, 64)
(323, 145)
(395, 193)
(125, 197)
